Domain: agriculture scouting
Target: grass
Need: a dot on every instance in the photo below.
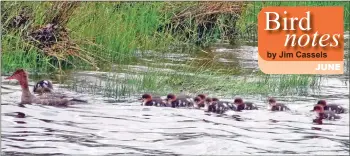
(124, 84)
(121, 33)
(14, 56)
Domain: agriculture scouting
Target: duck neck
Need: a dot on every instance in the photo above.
(27, 96)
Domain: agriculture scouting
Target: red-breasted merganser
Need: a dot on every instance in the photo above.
(324, 114)
(277, 106)
(332, 107)
(181, 101)
(28, 98)
(217, 106)
(43, 86)
(240, 105)
(199, 100)
(148, 100)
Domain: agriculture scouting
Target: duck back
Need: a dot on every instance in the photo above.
(329, 115)
(250, 106)
(182, 102)
(335, 108)
(221, 107)
(279, 107)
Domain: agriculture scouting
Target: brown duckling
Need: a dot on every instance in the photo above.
(148, 100)
(277, 106)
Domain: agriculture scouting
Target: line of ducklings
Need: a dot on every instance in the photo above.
(214, 105)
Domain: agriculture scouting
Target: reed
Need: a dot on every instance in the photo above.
(107, 35)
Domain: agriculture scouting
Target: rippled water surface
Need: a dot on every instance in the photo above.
(104, 128)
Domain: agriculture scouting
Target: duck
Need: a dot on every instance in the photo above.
(199, 100)
(331, 107)
(216, 106)
(28, 98)
(324, 114)
(43, 86)
(148, 100)
(240, 105)
(277, 106)
(180, 101)
(209, 105)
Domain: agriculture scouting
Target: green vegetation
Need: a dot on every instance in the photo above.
(161, 83)
(109, 35)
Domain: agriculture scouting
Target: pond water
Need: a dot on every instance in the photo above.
(107, 127)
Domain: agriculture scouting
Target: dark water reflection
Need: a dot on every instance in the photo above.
(110, 127)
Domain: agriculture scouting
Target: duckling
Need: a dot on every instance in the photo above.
(148, 100)
(240, 105)
(332, 107)
(181, 101)
(277, 106)
(324, 114)
(43, 86)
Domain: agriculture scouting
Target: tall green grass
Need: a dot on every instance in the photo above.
(159, 82)
(15, 56)
(118, 30)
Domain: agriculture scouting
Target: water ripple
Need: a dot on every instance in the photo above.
(110, 128)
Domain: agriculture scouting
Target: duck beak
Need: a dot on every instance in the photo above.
(13, 76)
(9, 78)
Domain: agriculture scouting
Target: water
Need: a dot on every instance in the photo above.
(107, 127)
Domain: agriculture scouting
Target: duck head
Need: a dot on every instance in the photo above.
(238, 101)
(146, 98)
(319, 113)
(318, 109)
(208, 101)
(198, 101)
(170, 98)
(21, 76)
(272, 101)
(322, 102)
(202, 96)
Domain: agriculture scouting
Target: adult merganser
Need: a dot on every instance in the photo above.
(240, 105)
(181, 101)
(331, 107)
(277, 106)
(148, 100)
(28, 98)
(324, 114)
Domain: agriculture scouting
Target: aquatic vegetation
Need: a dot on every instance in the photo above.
(106, 35)
(119, 84)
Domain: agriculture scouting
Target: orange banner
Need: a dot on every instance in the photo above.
(294, 35)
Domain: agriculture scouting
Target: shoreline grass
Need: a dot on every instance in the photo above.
(118, 33)
(114, 31)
